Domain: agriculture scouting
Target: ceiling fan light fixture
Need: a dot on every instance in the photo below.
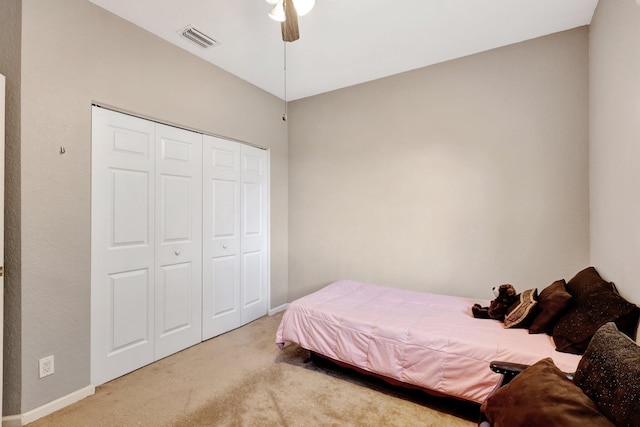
(277, 13)
(304, 6)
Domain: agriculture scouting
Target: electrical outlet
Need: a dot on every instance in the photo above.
(46, 366)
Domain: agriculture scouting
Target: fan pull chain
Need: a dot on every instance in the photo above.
(284, 116)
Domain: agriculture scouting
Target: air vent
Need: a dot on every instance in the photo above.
(198, 37)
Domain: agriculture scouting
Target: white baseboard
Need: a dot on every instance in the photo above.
(46, 409)
(278, 309)
(12, 421)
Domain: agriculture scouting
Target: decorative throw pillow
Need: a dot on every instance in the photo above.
(574, 329)
(522, 311)
(552, 302)
(542, 396)
(586, 283)
(609, 373)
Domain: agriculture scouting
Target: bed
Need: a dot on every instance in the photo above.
(422, 340)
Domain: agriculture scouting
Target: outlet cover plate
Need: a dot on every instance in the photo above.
(45, 366)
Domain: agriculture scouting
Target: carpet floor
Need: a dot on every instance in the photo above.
(241, 378)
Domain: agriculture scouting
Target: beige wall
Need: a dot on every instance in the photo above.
(449, 179)
(615, 144)
(73, 54)
(10, 58)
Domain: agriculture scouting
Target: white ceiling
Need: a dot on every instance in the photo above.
(346, 42)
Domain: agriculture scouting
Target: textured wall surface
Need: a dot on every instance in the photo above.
(451, 178)
(10, 58)
(113, 63)
(614, 49)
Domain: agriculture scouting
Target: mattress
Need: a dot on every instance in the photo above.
(426, 340)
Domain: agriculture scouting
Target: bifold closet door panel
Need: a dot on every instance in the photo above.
(122, 244)
(178, 249)
(254, 170)
(221, 236)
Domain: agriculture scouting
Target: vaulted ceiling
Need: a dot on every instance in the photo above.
(346, 42)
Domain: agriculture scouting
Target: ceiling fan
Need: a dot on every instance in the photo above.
(287, 12)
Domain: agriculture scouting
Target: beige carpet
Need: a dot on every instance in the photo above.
(242, 379)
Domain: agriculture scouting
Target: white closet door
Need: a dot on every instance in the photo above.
(221, 231)
(178, 256)
(179, 240)
(122, 244)
(254, 233)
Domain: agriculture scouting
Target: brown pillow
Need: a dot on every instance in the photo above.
(542, 396)
(586, 283)
(552, 302)
(574, 329)
(609, 373)
(522, 311)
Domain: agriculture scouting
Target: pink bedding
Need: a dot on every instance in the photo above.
(427, 340)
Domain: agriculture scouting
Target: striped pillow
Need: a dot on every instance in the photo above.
(522, 312)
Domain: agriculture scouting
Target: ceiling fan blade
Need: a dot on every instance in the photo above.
(289, 27)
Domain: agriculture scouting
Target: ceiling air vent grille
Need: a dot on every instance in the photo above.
(198, 37)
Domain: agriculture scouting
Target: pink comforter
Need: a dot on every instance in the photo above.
(428, 340)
